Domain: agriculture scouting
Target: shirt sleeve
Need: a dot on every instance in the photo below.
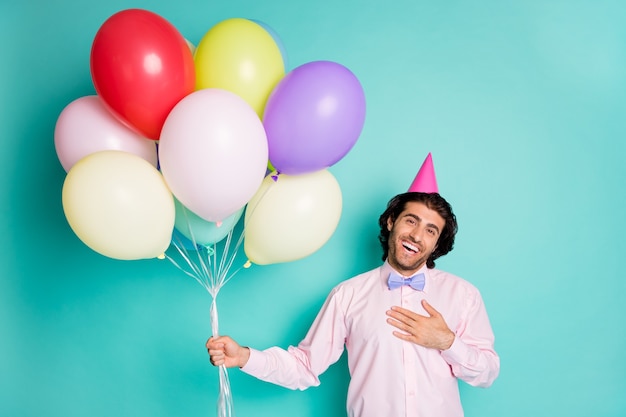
(472, 356)
(299, 367)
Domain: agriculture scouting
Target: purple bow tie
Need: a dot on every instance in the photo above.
(416, 281)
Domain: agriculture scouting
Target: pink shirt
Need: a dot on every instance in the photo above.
(390, 377)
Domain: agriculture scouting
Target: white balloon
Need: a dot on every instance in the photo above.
(213, 153)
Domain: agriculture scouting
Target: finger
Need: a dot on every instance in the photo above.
(215, 344)
(399, 325)
(404, 315)
(399, 321)
(404, 336)
(212, 345)
(399, 313)
(429, 309)
(216, 352)
(400, 310)
(220, 339)
(217, 362)
(396, 314)
(217, 356)
(396, 323)
(216, 341)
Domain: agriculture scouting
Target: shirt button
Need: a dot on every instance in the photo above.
(411, 393)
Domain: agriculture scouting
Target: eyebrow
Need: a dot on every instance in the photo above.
(419, 219)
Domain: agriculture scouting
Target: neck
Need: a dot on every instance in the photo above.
(407, 272)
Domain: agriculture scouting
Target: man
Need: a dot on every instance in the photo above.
(408, 339)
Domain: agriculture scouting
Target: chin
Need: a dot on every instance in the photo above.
(409, 266)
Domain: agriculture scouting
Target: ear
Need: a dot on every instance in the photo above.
(389, 223)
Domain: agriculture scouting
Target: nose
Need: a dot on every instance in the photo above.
(416, 233)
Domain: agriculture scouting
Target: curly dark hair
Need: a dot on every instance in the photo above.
(434, 202)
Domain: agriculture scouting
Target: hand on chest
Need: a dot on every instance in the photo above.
(367, 321)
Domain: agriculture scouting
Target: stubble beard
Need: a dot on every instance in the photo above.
(406, 263)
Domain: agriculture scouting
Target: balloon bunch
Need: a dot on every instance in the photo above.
(180, 141)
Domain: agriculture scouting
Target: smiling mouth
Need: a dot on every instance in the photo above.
(410, 247)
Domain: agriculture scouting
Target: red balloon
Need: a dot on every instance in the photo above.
(141, 66)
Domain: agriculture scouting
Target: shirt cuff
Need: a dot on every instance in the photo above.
(255, 362)
(456, 353)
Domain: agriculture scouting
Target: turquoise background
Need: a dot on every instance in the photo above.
(522, 105)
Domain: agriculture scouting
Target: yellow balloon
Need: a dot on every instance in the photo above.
(119, 205)
(292, 217)
(240, 56)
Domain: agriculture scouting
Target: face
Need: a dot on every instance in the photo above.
(413, 237)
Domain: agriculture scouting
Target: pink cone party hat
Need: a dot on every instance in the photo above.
(425, 180)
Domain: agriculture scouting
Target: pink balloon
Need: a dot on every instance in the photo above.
(85, 126)
(213, 153)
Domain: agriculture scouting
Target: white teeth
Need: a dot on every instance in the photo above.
(410, 247)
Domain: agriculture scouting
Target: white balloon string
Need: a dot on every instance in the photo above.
(213, 275)
(217, 268)
(214, 319)
(228, 258)
(212, 272)
(232, 258)
(195, 272)
(267, 189)
(202, 269)
(225, 398)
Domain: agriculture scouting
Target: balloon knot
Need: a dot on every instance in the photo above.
(161, 256)
(218, 224)
(248, 264)
(275, 176)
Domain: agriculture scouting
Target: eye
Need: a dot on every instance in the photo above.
(431, 231)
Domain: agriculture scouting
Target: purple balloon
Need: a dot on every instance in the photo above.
(313, 117)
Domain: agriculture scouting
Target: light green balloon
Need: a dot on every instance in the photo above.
(201, 231)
